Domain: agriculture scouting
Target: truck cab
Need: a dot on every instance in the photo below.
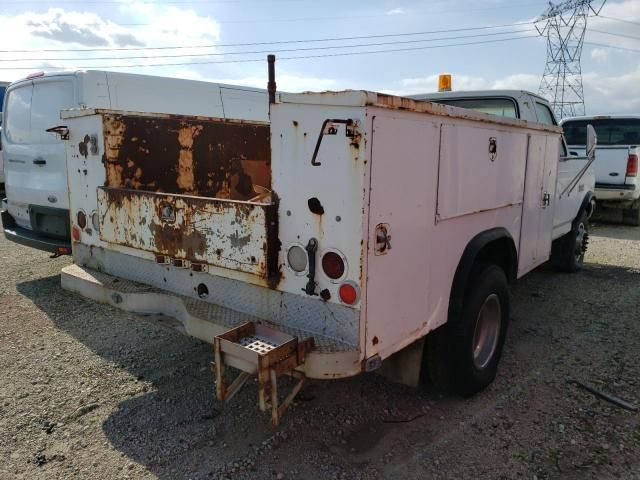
(575, 203)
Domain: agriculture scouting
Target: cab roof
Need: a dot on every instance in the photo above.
(475, 94)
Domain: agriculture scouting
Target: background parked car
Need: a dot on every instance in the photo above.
(616, 164)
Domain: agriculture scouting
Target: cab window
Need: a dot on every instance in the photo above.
(503, 107)
(544, 114)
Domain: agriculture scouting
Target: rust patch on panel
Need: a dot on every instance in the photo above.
(199, 230)
(183, 155)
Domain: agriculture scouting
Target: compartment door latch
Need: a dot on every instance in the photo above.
(383, 238)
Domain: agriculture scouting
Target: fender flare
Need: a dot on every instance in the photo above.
(469, 256)
(586, 203)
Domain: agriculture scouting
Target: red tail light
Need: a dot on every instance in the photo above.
(81, 217)
(632, 165)
(348, 293)
(333, 265)
(75, 233)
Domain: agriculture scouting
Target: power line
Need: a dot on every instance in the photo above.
(284, 50)
(613, 46)
(313, 19)
(301, 57)
(619, 20)
(623, 35)
(275, 42)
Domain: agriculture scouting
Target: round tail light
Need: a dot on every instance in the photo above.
(349, 293)
(297, 258)
(81, 218)
(333, 265)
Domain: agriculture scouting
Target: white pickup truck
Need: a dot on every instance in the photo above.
(348, 229)
(616, 165)
(576, 180)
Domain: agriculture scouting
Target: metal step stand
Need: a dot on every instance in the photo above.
(256, 349)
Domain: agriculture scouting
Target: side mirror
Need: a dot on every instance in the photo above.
(592, 141)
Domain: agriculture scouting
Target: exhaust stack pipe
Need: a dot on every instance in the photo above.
(271, 86)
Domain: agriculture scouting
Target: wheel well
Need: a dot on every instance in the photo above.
(494, 246)
(502, 253)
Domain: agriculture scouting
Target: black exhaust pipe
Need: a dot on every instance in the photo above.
(271, 86)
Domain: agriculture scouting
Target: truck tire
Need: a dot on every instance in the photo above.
(463, 355)
(567, 252)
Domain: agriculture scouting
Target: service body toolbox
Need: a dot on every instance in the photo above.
(347, 228)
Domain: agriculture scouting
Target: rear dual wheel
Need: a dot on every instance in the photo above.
(463, 355)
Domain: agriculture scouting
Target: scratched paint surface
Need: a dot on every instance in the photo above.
(223, 233)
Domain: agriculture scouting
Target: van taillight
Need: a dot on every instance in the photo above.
(632, 165)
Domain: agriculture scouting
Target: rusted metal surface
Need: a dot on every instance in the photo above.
(184, 155)
(362, 98)
(193, 230)
(256, 349)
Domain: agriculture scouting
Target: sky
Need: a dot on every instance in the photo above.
(500, 47)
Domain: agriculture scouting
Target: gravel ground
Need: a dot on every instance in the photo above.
(88, 391)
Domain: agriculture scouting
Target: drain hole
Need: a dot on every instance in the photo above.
(203, 291)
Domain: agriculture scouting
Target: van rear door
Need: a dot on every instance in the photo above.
(35, 159)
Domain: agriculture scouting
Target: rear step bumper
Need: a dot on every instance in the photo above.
(328, 359)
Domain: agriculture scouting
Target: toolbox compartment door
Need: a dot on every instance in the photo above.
(237, 235)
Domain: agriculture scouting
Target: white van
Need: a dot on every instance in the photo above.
(36, 211)
(3, 89)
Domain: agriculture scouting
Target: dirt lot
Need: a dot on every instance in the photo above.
(87, 391)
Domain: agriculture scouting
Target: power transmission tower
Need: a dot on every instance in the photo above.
(564, 25)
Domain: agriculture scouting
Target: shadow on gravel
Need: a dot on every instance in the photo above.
(172, 405)
(172, 424)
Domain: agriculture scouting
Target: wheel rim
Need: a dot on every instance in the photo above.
(487, 331)
(581, 239)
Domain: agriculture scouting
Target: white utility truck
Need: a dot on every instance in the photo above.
(36, 210)
(576, 180)
(616, 167)
(350, 227)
